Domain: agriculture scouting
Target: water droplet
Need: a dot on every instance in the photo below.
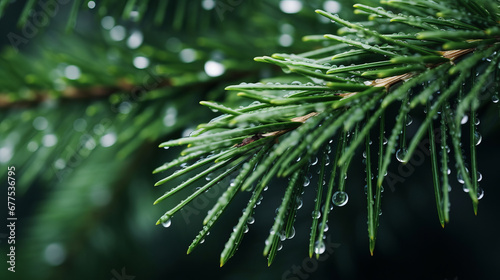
(340, 198)
(117, 33)
(296, 83)
(107, 22)
(325, 229)
(170, 117)
(280, 246)
(285, 40)
(331, 6)
(72, 72)
(135, 39)
(477, 138)
(460, 179)
(208, 4)
(479, 176)
(54, 254)
(292, 233)
(494, 98)
(327, 161)
(409, 120)
(166, 223)
(209, 177)
(187, 55)
(306, 181)
(49, 140)
(141, 62)
(316, 214)
(480, 193)
(319, 247)
(108, 139)
(401, 154)
(32, 146)
(464, 119)
(290, 6)
(250, 220)
(214, 68)
(315, 161)
(91, 5)
(40, 123)
(299, 203)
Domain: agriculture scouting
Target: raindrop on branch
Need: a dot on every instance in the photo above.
(340, 198)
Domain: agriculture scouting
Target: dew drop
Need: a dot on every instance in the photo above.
(460, 179)
(479, 176)
(494, 98)
(319, 247)
(480, 193)
(401, 154)
(166, 223)
(250, 220)
(299, 203)
(316, 214)
(464, 120)
(292, 233)
(315, 161)
(306, 181)
(340, 198)
(409, 120)
(477, 138)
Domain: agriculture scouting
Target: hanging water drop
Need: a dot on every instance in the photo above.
(316, 214)
(299, 203)
(166, 223)
(409, 120)
(479, 176)
(480, 193)
(340, 198)
(250, 220)
(319, 247)
(494, 98)
(401, 154)
(477, 138)
(460, 179)
(465, 188)
(464, 120)
(292, 233)
(315, 161)
(209, 177)
(306, 181)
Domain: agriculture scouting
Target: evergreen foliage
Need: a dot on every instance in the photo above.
(438, 57)
(82, 106)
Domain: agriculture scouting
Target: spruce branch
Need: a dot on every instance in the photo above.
(342, 92)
